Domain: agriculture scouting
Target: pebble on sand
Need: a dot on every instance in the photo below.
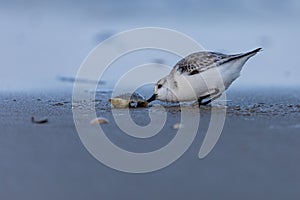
(177, 126)
(39, 121)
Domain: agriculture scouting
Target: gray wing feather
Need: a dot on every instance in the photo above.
(202, 61)
(199, 62)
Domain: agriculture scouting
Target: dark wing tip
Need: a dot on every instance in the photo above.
(259, 49)
(253, 52)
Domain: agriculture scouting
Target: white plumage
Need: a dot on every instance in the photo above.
(199, 76)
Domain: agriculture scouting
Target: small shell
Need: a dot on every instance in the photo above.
(142, 104)
(177, 126)
(119, 102)
(99, 120)
(129, 100)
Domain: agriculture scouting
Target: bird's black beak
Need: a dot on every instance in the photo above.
(152, 98)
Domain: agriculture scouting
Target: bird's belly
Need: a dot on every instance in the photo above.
(192, 87)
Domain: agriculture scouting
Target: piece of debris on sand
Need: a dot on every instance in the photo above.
(99, 120)
(177, 126)
(39, 121)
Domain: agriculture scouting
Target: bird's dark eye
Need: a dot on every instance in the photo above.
(159, 86)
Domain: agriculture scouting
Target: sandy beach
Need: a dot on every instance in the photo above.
(256, 157)
(52, 50)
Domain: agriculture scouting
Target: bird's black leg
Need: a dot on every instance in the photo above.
(210, 100)
(200, 99)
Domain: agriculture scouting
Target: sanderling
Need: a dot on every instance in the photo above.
(200, 76)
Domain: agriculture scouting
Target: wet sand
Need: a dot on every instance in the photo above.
(256, 157)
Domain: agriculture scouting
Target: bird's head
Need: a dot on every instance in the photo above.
(162, 91)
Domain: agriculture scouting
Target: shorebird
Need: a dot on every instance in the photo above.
(200, 76)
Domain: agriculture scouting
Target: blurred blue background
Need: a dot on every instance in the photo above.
(43, 40)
